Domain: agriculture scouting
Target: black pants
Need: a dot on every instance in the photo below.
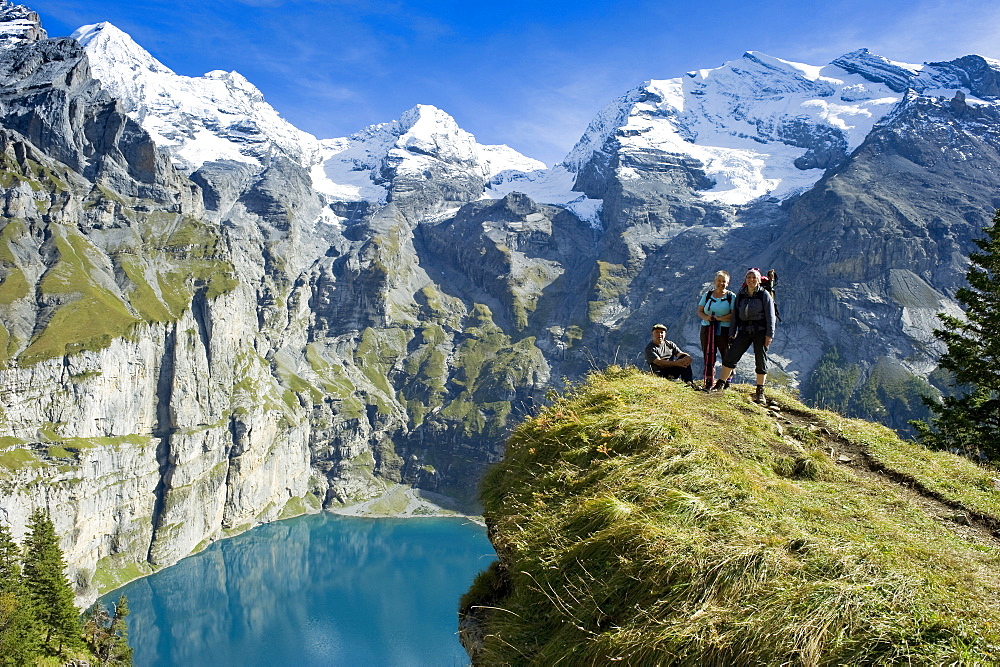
(674, 372)
(741, 343)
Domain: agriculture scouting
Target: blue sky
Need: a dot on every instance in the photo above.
(528, 74)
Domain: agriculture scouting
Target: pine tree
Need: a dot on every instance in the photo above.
(19, 633)
(107, 634)
(969, 421)
(50, 591)
(121, 652)
(831, 384)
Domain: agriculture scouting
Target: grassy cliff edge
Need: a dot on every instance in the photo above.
(640, 522)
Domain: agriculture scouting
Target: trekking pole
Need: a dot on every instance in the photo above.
(710, 356)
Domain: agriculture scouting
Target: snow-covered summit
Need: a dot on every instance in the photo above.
(219, 116)
(763, 126)
(760, 125)
(222, 116)
(428, 132)
(352, 167)
(878, 69)
(110, 48)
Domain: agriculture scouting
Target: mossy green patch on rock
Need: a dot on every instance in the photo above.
(490, 371)
(610, 283)
(294, 507)
(440, 308)
(39, 177)
(376, 354)
(640, 522)
(116, 570)
(300, 386)
(427, 370)
(14, 286)
(5, 341)
(149, 272)
(84, 324)
(143, 297)
(15, 458)
(92, 315)
(335, 383)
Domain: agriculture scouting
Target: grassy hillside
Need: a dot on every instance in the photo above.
(643, 523)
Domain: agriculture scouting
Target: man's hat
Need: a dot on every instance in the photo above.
(659, 326)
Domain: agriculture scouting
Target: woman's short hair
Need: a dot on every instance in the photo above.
(723, 274)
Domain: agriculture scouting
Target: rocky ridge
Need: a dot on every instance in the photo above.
(212, 319)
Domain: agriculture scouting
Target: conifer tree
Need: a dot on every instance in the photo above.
(19, 633)
(970, 420)
(50, 591)
(107, 634)
(121, 651)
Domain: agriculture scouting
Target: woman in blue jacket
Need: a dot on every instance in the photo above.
(753, 323)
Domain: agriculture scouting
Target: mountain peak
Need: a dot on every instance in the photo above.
(109, 47)
(772, 63)
(424, 121)
(18, 25)
(756, 126)
(878, 69)
(219, 116)
(422, 135)
(236, 82)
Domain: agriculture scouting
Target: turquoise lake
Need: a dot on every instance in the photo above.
(314, 590)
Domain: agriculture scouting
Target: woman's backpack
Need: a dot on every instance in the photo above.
(768, 282)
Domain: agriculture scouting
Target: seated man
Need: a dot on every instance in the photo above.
(666, 359)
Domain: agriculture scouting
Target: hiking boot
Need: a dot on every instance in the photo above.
(720, 385)
(759, 396)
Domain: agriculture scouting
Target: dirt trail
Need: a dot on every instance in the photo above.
(971, 525)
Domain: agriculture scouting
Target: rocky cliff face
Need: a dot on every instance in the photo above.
(127, 338)
(211, 319)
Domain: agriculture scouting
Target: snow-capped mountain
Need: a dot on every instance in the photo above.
(762, 126)
(218, 116)
(357, 167)
(222, 116)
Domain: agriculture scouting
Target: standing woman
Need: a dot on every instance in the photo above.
(715, 309)
(752, 324)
